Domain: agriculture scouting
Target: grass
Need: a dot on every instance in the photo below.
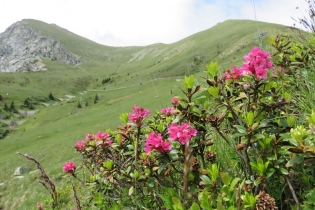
(136, 74)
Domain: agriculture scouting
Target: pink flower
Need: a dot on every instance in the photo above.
(80, 145)
(108, 143)
(261, 73)
(183, 133)
(257, 62)
(39, 205)
(101, 136)
(89, 136)
(138, 114)
(235, 74)
(156, 142)
(167, 111)
(69, 167)
(175, 100)
(277, 71)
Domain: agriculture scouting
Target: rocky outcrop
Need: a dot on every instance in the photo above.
(22, 48)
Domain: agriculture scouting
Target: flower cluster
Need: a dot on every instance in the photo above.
(167, 111)
(80, 145)
(104, 137)
(175, 101)
(69, 167)
(256, 63)
(155, 142)
(138, 114)
(183, 132)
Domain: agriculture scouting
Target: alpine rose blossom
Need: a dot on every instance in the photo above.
(167, 111)
(234, 74)
(183, 132)
(138, 114)
(155, 142)
(69, 167)
(108, 143)
(101, 136)
(89, 136)
(257, 62)
(175, 100)
(80, 145)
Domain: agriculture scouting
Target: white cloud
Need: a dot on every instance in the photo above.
(143, 22)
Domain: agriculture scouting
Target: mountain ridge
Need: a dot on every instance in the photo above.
(23, 48)
(78, 49)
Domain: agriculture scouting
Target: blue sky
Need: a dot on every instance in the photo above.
(144, 22)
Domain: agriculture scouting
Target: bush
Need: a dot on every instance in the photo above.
(172, 160)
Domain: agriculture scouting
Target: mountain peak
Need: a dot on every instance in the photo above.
(23, 48)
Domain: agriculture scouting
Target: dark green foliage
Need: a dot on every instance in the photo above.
(3, 130)
(96, 98)
(5, 107)
(51, 97)
(12, 107)
(1, 97)
(79, 105)
(107, 80)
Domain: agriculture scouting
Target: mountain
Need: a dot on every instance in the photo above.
(25, 46)
(22, 48)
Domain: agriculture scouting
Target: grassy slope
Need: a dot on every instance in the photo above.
(51, 136)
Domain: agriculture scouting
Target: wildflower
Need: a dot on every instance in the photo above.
(108, 142)
(69, 167)
(167, 111)
(235, 74)
(155, 141)
(39, 205)
(183, 133)
(278, 71)
(80, 145)
(89, 136)
(138, 114)
(175, 100)
(101, 136)
(257, 63)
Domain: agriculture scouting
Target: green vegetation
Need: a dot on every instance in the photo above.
(115, 78)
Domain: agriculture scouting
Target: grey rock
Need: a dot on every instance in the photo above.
(20, 170)
(22, 48)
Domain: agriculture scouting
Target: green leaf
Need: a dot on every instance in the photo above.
(234, 182)
(204, 200)
(206, 179)
(241, 129)
(225, 178)
(212, 69)
(270, 172)
(189, 82)
(124, 117)
(108, 164)
(177, 204)
(130, 191)
(214, 91)
(194, 206)
(284, 171)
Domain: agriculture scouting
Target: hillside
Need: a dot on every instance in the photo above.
(119, 76)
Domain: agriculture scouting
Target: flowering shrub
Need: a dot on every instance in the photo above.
(174, 161)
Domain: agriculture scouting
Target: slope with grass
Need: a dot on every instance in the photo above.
(144, 75)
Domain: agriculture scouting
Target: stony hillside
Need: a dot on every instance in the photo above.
(22, 48)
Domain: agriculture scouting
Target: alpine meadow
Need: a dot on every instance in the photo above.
(223, 119)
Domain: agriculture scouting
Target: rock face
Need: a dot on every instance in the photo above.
(20, 170)
(22, 48)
